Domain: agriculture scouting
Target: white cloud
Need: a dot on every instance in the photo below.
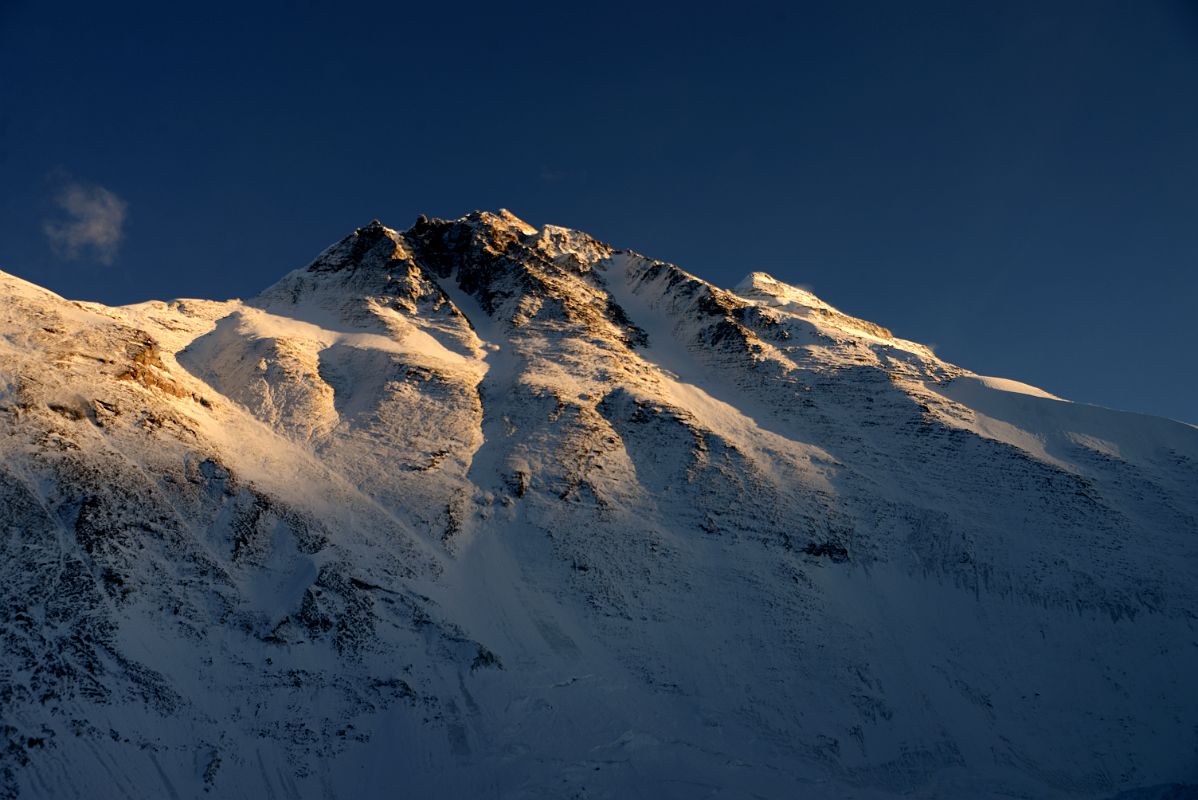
(93, 222)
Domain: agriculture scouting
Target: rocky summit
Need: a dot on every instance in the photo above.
(478, 509)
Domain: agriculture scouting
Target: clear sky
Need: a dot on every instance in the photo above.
(1015, 183)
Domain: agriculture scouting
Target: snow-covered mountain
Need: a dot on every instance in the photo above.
(481, 510)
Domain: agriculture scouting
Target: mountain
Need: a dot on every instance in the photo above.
(478, 509)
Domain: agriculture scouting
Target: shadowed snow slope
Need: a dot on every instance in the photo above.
(477, 509)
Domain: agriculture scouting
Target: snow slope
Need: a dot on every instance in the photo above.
(477, 509)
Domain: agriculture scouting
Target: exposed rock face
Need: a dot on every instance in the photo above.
(479, 508)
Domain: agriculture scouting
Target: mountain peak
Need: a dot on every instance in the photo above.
(504, 504)
(515, 222)
(756, 279)
(370, 243)
(496, 220)
(765, 289)
(762, 285)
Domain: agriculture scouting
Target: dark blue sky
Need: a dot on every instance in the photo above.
(1015, 182)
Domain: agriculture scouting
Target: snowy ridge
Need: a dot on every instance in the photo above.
(479, 508)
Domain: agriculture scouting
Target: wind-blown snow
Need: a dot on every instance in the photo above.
(1008, 385)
